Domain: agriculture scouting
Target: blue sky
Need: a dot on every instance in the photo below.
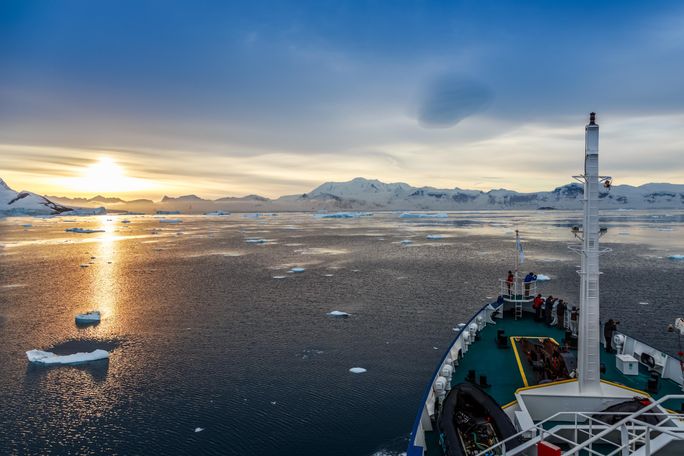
(225, 98)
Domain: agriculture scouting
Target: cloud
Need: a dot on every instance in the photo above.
(451, 99)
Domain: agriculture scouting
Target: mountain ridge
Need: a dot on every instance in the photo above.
(372, 194)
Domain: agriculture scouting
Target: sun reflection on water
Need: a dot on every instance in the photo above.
(104, 281)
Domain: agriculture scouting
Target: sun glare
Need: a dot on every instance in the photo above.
(105, 176)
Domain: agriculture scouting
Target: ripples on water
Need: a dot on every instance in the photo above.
(203, 337)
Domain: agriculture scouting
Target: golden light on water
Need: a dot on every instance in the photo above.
(105, 176)
(104, 281)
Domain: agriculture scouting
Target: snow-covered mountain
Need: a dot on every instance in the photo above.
(371, 194)
(364, 194)
(26, 203)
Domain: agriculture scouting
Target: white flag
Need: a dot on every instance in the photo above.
(521, 253)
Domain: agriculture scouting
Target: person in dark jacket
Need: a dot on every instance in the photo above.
(529, 278)
(548, 309)
(560, 314)
(509, 281)
(608, 330)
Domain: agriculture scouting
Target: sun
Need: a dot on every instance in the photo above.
(105, 176)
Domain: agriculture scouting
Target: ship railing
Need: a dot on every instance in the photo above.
(586, 430)
(518, 290)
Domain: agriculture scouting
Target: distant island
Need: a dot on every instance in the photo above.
(358, 194)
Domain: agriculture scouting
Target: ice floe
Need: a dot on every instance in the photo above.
(279, 277)
(82, 230)
(297, 270)
(165, 220)
(343, 215)
(434, 236)
(542, 278)
(49, 358)
(199, 429)
(406, 242)
(338, 313)
(424, 215)
(676, 257)
(256, 241)
(89, 317)
(357, 370)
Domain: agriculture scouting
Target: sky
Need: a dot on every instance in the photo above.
(145, 98)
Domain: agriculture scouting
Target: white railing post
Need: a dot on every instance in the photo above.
(624, 440)
(647, 443)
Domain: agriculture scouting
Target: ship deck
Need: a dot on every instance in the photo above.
(508, 370)
(503, 370)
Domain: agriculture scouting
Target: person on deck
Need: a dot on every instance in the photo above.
(574, 318)
(509, 281)
(548, 309)
(559, 314)
(608, 330)
(529, 278)
(536, 305)
(554, 312)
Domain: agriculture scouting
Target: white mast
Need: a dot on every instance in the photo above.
(589, 363)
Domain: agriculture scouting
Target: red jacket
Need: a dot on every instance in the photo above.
(538, 301)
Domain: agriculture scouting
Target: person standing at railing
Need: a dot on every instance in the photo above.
(509, 281)
(608, 329)
(548, 309)
(574, 318)
(537, 306)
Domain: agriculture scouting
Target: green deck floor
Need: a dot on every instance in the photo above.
(503, 374)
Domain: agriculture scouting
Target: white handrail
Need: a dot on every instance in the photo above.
(630, 417)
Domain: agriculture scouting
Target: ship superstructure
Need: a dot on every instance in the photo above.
(520, 379)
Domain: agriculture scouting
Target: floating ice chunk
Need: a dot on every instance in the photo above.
(676, 257)
(664, 229)
(357, 370)
(165, 220)
(424, 215)
(643, 303)
(434, 236)
(343, 215)
(217, 213)
(328, 275)
(49, 358)
(542, 278)
(297, 270)
(279, 277)
(83, 265)
(338, 313)
(274, 402)
(125, 221)
(256, 241)
(26, 225)
(83, 230)
(89, 317)
(199, 429)
(406, 242)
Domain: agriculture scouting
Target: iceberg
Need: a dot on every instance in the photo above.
(343, 215)
(357, 370)
(83, 230)
(676, 257)
(406, 242)
(164, 220)
(297, 270)
(256, 241)
(434, 236)
(279, 277)
(89, 317)
(424, 215)
(542, 278)
(199, 429)
(49, 358)
(86, 211)
(338, 313)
